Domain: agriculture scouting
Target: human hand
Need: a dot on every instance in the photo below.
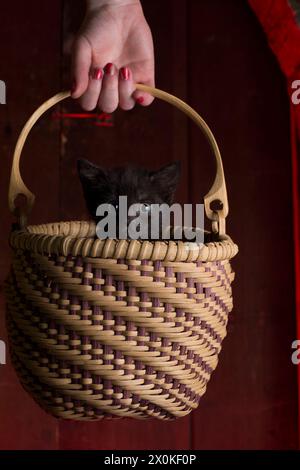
(112, 52)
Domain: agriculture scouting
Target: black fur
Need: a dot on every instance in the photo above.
(102, 186)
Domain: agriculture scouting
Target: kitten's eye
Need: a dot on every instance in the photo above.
(145, 207)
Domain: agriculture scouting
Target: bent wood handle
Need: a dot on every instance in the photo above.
(217, 192)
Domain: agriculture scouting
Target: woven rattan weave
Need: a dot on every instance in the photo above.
(116, 328)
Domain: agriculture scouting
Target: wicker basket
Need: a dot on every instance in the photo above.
(116, 328)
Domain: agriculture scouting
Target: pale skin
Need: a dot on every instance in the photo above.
(112, 51)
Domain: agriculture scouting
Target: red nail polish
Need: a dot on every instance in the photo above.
(109, 69)
(140, 100)
(124, 72)
(97, 74)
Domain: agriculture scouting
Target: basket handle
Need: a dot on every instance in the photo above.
(217, 192)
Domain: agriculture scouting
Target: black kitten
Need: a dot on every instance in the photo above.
(142, 186)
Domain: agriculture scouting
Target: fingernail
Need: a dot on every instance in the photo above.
(97, 74)
(109, 69)
(124, 72)
(140, 100)
(73, 88)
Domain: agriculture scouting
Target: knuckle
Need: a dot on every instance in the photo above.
(127, 106)
(87, 105)
(108, 108)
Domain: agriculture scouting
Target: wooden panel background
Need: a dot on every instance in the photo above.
(213, 54)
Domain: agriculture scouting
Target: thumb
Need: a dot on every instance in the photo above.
(81, 63)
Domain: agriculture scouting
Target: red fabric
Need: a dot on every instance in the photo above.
(283, 33)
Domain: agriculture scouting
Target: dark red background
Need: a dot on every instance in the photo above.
(214, 55)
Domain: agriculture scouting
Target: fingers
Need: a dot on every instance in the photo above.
(90, 98)
(109, 96)
(81, 63)
(126, 89)
(108, 88)
(118, 89)
(142, 98)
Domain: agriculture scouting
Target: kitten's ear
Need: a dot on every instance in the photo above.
(90, 173)
(167, 178)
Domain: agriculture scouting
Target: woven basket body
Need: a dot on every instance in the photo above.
(116, 328)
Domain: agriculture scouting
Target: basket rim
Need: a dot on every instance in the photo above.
(77, 238)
